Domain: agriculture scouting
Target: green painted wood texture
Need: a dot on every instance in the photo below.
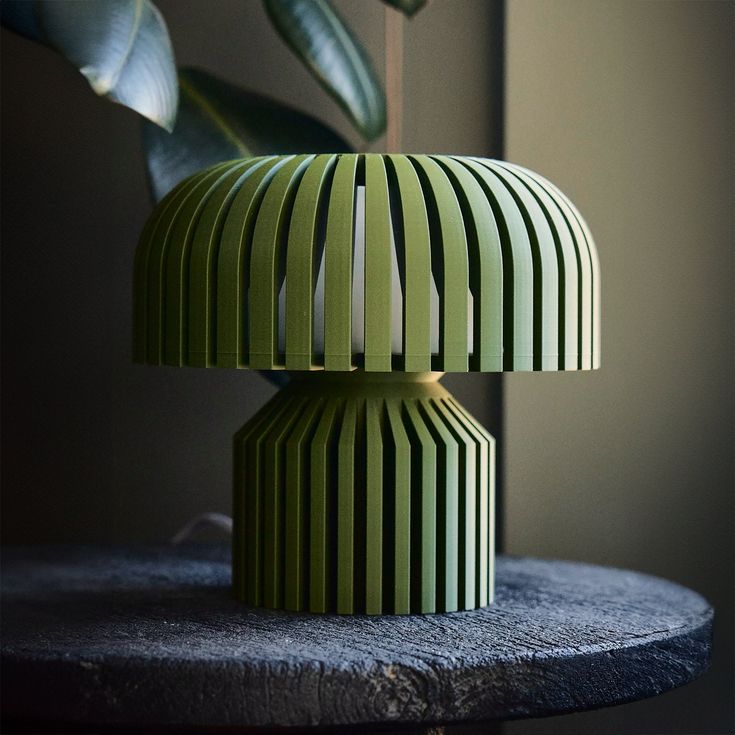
(359, 494)
(227, 267)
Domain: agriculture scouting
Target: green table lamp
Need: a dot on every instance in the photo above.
(363, 486)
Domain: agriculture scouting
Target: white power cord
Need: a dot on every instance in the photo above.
(203, 520)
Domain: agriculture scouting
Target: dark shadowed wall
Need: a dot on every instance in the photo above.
(98, 449)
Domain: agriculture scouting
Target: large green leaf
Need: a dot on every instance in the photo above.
(407, 7)
(319, 37)
(122, 47)
(218, 121)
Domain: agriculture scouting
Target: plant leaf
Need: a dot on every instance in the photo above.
(318, 36)
(408, 7)
(122, 47)
(218, 121)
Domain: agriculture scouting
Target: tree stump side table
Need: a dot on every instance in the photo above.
(134, 636)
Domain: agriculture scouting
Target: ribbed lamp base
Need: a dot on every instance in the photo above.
(364, 493)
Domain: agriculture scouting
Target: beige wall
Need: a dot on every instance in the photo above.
(628, 107)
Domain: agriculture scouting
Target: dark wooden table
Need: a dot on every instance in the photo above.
(127, 637)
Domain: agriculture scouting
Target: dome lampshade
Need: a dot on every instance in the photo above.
(363, 486)
(464, 263)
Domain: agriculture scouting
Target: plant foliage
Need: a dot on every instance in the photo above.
(122, 47)
(219, 121)
(319, 37)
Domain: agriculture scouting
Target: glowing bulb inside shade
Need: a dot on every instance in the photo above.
(358, 296)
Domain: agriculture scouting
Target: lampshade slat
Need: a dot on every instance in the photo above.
(545, 272)
(401, 456)
(378, 268)
(346, 509)
(447, 507)
(568, 272)
(518, 291)
(203, 266)
(485, 267)
(449, 264)
(233, 264)
(274, 502)
(386, 262)
(595, 275)
(175, 285)
(143, 259)
(302, 253)
(374, 506)
(322, 521)
(596, 300)
(155, 282)
(268, 250)
(412, 239)
(485, 500)
(585, 270)
(249, 442)
(467, 510)
(296, 490)
(176, 323)
(338, 248)
(423, 509)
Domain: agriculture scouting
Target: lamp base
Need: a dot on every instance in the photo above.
(364, 493)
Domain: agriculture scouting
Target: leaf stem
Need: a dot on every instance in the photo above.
(394, 78)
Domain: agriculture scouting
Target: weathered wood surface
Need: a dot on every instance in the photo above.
(130, 635)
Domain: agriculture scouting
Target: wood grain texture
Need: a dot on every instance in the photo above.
(130, 635)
